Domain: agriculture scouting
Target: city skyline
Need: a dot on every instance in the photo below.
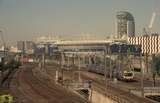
(79, 51)
(28, 19)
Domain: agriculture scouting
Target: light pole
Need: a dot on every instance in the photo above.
(68, 62)
(62, 63)
(79, 65)
(43, 62)
(110, 65)
(105, 68)
(79, 68)
(147, 45)
(119, 61)
(73, 59)
(142, 76)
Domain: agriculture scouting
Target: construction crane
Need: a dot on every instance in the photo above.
(152, 21)
(150, 26)
(147, 33)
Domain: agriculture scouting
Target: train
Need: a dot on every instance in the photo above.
(123, 75)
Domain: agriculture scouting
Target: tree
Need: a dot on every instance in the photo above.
(155, 67)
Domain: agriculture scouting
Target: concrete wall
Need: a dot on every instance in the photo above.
(100, 98)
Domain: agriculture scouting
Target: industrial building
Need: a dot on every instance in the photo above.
(48, 45)
(125, 24)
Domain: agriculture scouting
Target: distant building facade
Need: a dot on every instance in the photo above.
(46, 45)
(26, 47)
(48, 49)
(149, 43)
(29, 47)
(13, 49)
(125, 24)
(21, 46)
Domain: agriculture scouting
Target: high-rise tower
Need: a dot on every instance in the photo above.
(125, 24)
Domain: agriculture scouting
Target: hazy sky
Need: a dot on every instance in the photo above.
(28, 19)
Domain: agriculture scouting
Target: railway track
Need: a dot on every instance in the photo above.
(38, 89)
(115, 91)
(15, 89)
(112, 90)
(4, 87)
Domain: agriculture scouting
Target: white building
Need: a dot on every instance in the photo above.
(125, 25)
